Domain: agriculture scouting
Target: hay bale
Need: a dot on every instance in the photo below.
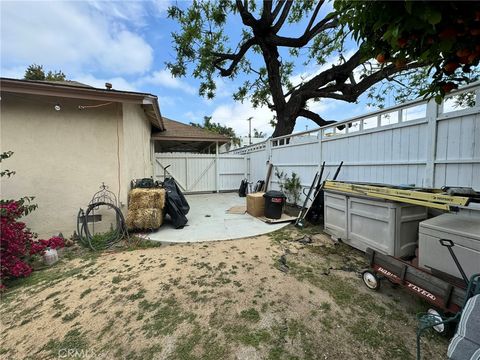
(144, 219)
(146, 199)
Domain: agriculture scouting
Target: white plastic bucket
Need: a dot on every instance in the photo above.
(50, 256)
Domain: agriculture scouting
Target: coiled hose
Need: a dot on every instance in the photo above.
(111, 238)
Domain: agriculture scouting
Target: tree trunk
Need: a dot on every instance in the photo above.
(285, 123)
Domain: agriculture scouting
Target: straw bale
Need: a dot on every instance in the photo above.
(144, 219)
(146, 199)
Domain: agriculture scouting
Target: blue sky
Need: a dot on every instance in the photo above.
(127, 43)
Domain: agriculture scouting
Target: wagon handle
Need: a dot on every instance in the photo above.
(449, 245)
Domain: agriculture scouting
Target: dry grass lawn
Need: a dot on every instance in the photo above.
(221, 300)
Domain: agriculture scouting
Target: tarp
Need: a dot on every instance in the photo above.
(176, 204)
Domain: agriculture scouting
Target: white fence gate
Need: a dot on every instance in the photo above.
(201, 172)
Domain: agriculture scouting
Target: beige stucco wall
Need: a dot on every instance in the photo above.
(62, 157)
(137, 147)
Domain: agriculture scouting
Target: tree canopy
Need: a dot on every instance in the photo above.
(445, 35)
(259, 134)
(267, 57)
(217, 128)
(36, 72)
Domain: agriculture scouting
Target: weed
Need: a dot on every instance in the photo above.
(47, 277)
(73, 340)
(85, 293)
(71, 316)
(58, 305)
(53, 294)
(106, 329)
(136, 296)
(117, 279)
(167, 315)
(194, 295)
(251, 315)
(325, 306)
(244, 335)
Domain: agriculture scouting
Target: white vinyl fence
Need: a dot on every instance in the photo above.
(201, 172)
(419, 143)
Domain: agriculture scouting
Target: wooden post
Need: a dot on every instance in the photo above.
(429, 177)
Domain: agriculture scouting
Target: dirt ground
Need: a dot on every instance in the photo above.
(218, 300)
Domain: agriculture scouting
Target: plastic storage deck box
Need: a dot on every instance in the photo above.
(463, 230)
(385, 226)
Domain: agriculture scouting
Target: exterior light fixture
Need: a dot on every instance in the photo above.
(57, 107)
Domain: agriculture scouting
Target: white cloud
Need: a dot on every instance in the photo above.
(193, 116)
(235, 115)
(132, 11)
(165, 79)
(321, 106)
(166, 100)
(118, 83)
(72, 36)
(16, 72)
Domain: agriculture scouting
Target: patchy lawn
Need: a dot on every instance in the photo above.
(221, 300)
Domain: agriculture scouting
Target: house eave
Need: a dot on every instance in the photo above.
(149, 102)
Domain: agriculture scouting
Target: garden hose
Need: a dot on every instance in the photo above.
(113, 236)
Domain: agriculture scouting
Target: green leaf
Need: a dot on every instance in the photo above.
(433, 16)
(408, 6)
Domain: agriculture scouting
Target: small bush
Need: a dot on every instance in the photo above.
(17, 243)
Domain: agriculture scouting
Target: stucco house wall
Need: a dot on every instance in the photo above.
(137, 143)
(62, 157)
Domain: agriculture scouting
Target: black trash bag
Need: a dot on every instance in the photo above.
(176, 205)
(144, 183)
(174, 192)
(242, 191)
(178, 218)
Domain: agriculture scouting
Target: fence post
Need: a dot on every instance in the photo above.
(320, 152)
(268, 152)
(432, 112)
(247, 165)
(217, 169)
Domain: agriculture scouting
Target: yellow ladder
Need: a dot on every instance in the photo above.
(432, 198)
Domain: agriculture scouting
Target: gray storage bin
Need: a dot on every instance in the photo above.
(385, 226)
(463, 230)
(335, 214)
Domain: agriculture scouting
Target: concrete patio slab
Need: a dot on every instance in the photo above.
(208, 221)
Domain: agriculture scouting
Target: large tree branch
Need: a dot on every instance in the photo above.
(247, 17)
(317, 119)
(332, 74)
(277, 9)
(314, 15)
(267, 11)
(283, 16)
(220, 57)
(355, 90)
(351, 92)
(306, 37)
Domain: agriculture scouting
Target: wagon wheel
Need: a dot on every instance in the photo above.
(443, 329)
(371, 280)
